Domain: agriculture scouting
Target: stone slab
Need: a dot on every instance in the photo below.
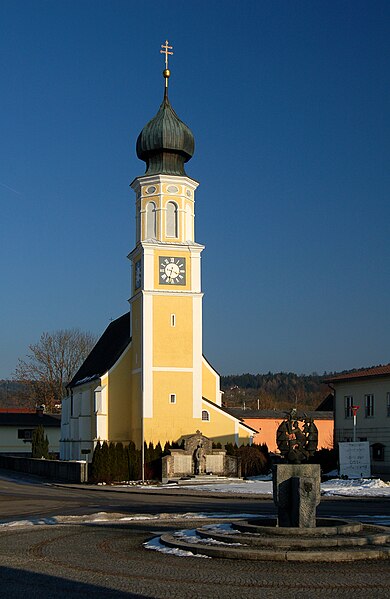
(296, 492)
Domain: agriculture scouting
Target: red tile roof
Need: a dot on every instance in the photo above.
(359, 374)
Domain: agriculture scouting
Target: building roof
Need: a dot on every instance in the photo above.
(376, 371)
(30, 420)
(276, 414)
(106, 352)
(165, 143)
(327, 404)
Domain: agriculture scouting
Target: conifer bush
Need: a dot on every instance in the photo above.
(96, 465)
(40, 443)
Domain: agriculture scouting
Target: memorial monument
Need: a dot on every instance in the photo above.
(197, 459)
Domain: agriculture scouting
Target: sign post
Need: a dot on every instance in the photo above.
(355, 459)
(354, 412)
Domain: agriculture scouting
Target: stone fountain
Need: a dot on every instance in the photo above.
(296, 534)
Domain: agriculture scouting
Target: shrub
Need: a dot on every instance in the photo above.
(326, 458)
(253, 460)
(40, 443)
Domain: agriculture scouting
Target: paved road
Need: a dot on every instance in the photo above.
(108, 560)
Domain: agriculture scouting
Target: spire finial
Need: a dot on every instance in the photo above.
(166, 72)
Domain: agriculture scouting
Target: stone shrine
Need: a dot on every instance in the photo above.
(198, 458)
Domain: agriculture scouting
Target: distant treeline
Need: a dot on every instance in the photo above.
(274, 390)
(281, 390)
(13, 395)
(273, 381)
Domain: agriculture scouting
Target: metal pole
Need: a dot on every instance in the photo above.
(354, 412)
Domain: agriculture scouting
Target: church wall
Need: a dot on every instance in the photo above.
(171, 420)
(136, 322)
(172, 345)
(223, 428)
(210, 383)
(100, 428)
(119, 398)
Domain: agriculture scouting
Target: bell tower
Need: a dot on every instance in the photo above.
(166, 298)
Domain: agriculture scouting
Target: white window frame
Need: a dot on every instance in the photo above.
(369, 405)
(172, 398)
(348, 403)
(208, 416)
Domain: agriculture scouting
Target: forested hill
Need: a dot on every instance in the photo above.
(281, 390)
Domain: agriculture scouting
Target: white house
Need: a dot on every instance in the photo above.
(16, 430)
(369, 391)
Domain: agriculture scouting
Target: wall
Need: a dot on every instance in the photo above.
(267, 428)
(9, 442)
(374, 429)
(72, 472)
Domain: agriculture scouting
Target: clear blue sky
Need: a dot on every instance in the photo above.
(289, 104)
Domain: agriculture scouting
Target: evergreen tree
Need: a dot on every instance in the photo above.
(121, 463)
(105, 458)
(96, 465)
(40, 443)
(134, 461)
(112, 462)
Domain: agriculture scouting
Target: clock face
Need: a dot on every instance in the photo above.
(172, 270)
(138, 274)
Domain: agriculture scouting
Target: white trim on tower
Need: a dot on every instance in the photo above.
(147, 355)
(197, 355)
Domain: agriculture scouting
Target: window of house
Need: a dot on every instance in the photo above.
(369, 405)
(25, 433)
(348, 403)
(171, 223)
(205, 416)
(378, 452)
(172, 398)
(173, 320)
(388, 403)
(151, 220)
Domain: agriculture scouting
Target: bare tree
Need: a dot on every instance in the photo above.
(51, 364)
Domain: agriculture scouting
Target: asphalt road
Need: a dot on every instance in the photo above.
(108, 560)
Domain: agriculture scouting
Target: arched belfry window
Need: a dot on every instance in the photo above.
(151, 220)
(171, 223)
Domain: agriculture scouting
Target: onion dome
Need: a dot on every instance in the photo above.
(165, 143)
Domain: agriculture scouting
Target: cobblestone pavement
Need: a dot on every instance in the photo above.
(76, 561)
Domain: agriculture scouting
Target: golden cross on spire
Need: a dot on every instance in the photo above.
(165, 50)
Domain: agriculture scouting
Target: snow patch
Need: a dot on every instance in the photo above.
(156, 545)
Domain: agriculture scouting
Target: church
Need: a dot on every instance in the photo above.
(146, 379)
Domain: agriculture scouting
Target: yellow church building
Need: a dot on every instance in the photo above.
(146, 379)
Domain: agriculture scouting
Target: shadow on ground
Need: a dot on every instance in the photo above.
(19, 584)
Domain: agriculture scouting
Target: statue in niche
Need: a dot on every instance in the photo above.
(199, 459)
(294, 443)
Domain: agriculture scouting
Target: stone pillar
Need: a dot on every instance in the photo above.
(296, 490)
